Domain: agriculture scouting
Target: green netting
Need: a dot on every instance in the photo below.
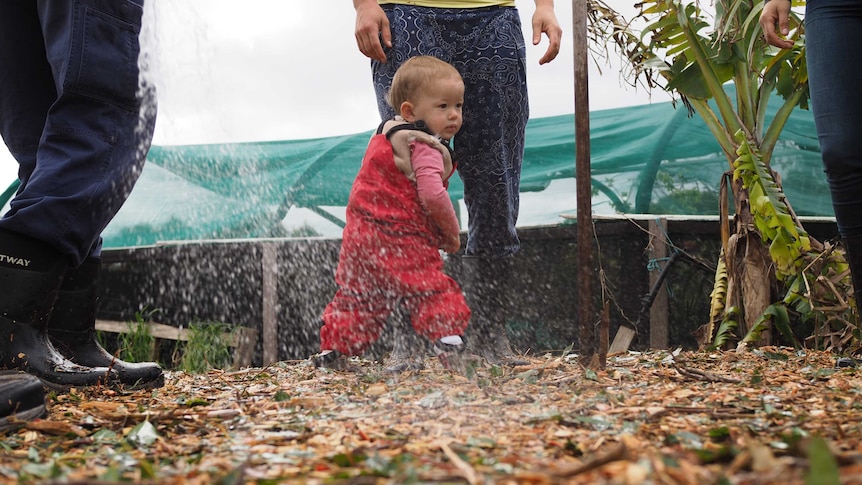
(645, 159)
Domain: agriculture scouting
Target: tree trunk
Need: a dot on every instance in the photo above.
(750, 269)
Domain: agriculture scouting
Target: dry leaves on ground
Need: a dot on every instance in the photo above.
(768, 416)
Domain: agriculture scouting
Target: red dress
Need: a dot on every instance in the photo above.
(389, 255)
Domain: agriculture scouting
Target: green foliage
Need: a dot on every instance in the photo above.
(717, 311)
(137, 345)
(693, 53)
(208, 347)
(777, 315)
(812, 288)
(823, 467)
(725, 330)
(683, 196)
(817, 294)
(786, 239)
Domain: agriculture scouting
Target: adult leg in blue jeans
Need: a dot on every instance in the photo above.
(833, 36)
(71, 115)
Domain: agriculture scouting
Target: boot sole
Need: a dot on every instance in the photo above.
(17, 420)
(113, 384)
(65, 388)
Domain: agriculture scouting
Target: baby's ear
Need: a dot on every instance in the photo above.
(406, 110)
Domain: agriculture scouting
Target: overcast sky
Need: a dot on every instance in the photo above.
(259, 70)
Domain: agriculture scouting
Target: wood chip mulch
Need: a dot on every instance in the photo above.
(773, 415)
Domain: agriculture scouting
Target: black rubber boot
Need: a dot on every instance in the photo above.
(22, 399)
(72, 329)
(30, 276)
(485, 282)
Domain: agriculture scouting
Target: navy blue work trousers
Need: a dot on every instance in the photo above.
(833, 31)
(74, 115)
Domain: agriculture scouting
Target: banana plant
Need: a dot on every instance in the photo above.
(768, 261)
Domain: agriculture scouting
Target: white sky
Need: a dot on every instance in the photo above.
(258, 70)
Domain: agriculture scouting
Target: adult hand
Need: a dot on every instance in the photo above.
(545, 22)
(774, 21)
(371, 24)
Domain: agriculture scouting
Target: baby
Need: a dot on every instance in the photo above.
(399, 216)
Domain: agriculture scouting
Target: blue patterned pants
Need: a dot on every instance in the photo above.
(486, 45)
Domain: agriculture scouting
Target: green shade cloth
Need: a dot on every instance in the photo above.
(650, 159)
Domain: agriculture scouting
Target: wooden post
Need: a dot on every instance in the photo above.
(586, 316)
(658, 313)
(269, 271)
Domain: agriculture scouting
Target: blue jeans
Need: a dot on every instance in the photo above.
(833, 31)
(71, 115)
(486, 45)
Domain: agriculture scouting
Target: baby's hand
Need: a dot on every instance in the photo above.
(451, 245)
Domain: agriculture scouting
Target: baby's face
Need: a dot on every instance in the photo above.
(440, 107)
